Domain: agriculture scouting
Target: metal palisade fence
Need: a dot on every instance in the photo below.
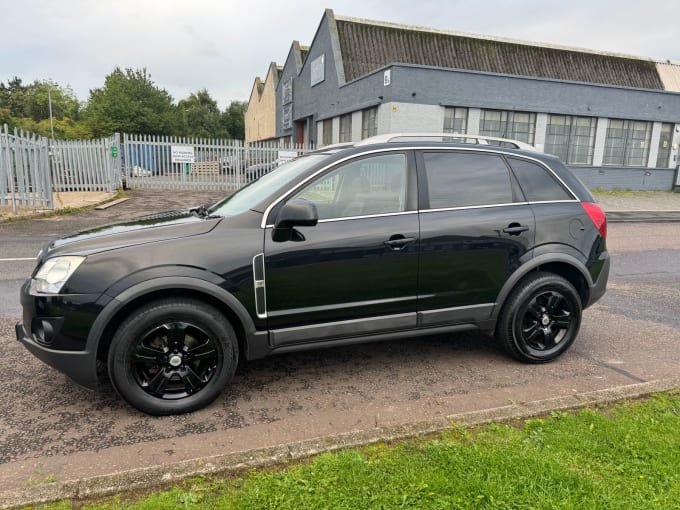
(33, 167)
(198, 163)
(86, 165)
(24, 170)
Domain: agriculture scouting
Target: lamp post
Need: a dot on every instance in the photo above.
(49, 103)
(50, 153)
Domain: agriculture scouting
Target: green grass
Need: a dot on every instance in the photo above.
(623, 457)
(628, 193)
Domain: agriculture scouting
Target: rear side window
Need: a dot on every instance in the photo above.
(463, 179)
(536, 183)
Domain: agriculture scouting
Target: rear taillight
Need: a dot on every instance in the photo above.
(597, 216)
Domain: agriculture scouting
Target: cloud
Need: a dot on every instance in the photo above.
(223, 45)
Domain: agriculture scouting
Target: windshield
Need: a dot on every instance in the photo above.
(267, 185)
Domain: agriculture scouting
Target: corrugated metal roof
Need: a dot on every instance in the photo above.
(367, 46)
(670, 76)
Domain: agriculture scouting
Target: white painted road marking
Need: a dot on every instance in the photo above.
(17, 260)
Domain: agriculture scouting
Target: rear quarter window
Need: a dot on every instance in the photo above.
(536, 182)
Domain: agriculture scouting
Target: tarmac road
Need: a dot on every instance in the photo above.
(52, 428)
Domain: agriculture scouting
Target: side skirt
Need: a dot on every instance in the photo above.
(486, 326)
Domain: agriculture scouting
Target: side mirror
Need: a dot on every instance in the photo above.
(294, 213)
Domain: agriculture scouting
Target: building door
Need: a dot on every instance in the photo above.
(300, 131)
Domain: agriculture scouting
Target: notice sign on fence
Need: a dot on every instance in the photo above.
(182, 154)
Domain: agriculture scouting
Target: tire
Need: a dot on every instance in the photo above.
(173, 356)
(540, 319)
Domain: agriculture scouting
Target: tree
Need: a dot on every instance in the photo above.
(201, 116)
(27, 107)
(36, 101)
(64, 128)
(233, 119)
(12, 97)
(130, 102)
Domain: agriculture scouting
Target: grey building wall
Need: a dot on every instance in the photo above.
(411, 87)
(289, 70)
(611, 178)
(472, 89)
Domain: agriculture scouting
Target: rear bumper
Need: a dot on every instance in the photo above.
(600, 286)
(80, 366)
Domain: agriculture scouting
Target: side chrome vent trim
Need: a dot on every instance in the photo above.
(259, 283)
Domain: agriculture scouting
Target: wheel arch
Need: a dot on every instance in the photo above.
(132, 298)
(564, 265)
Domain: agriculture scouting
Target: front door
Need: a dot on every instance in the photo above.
(355, 272)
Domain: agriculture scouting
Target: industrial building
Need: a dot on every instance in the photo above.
(614, 119)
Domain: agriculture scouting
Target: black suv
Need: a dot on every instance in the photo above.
(380, 239)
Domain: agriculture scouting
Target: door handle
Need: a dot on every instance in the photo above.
(515, 229)
(398, 241)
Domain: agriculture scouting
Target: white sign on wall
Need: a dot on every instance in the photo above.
(317, 70)
(387, 76)
(182, 154)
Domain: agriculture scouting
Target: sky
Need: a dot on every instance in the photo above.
(223, 45)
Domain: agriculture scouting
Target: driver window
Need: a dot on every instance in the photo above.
(364, 187)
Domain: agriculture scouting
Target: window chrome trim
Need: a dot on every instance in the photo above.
(365, 216)
(537, 202)
(487, 149)
(465, 207)
(362, 217)
(462, 208)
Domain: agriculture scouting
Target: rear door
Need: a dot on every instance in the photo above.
(475, 231)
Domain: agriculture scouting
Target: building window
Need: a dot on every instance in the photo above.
(571, 138)
(514, 125)
(346, 128)
(369, 122)
(665, 142)
(327, 137)
(455, 120)
(627, 142)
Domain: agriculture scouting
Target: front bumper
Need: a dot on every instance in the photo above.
(55, 329)
(81, 366)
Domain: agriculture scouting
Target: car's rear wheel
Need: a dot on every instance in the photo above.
(173, 356)
(540, 319)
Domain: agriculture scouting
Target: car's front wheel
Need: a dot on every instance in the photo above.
(173, 356)
(540, 319)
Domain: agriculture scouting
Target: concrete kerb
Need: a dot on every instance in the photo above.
(68, 200)
(157, 476)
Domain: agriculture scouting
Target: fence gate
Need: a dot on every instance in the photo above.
(196, 163)
(24, 170)
(86, 165)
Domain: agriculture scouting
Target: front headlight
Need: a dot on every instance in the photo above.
(54, 273)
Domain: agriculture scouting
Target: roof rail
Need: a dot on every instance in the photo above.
(447, 137)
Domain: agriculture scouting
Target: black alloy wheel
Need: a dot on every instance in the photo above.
(541, 318)
(175, 360)
(173, 356)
